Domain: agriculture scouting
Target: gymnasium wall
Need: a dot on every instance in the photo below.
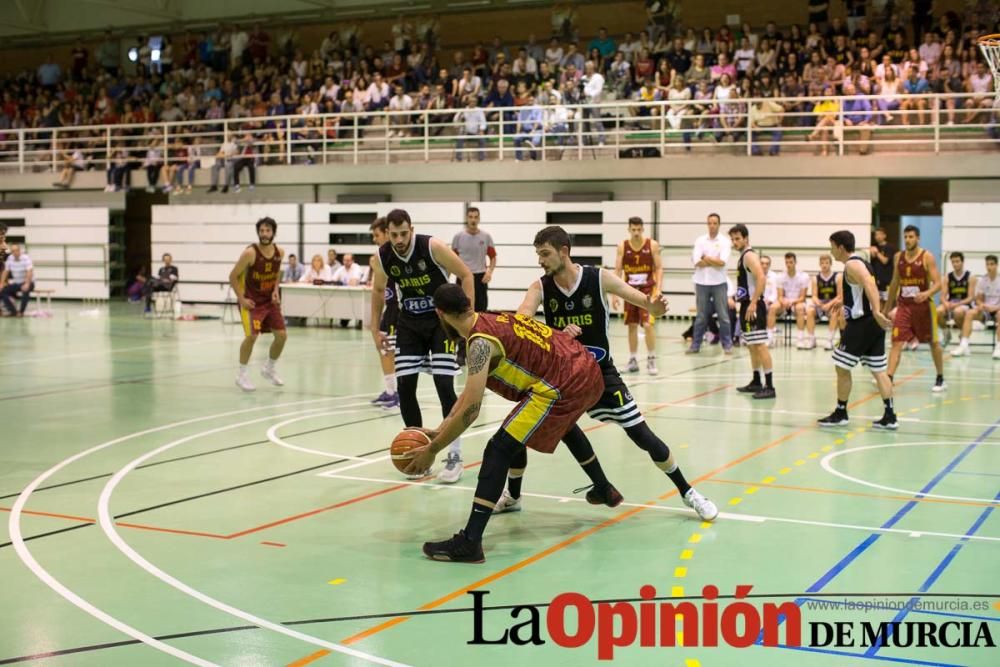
(973, 229)
(68, 247)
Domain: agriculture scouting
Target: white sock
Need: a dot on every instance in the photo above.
(269, 364)
(455, 447)
(390, 383)
(243, 370)
(964, 342)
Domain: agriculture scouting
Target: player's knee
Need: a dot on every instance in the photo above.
(281, 335)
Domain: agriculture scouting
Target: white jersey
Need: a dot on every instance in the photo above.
(794, 286)
(771, 287)
(989, 290)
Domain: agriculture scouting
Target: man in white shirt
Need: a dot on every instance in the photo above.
(21, 272)
(710, 254)
(400, 102)
(770, 297)
(350, 272)
(793, 288)
(225, 160)
(593, 92)
(987, 308)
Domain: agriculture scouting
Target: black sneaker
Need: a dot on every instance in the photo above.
(765, 392)
(836, 418)
(887, 423)
(459, 549)
(751, 388)
(609, 496)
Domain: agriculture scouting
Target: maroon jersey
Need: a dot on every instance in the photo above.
(261, 277)
(913, 277)
(536, 359)
(638, 265)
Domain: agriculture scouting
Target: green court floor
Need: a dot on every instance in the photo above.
(155, 515)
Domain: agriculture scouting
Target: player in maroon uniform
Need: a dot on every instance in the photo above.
(639, 265)
(915, 281)
(553, 379)
(255, 280)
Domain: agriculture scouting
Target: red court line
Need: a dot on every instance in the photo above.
(136, 526)
(274, 544)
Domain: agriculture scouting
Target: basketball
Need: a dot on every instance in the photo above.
(403, 444)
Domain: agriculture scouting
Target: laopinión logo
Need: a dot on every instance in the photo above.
(572, 620)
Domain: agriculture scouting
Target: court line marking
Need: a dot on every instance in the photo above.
(839, 492)
(136, 526)
(29, 561)
(825, 462)
(107, 524)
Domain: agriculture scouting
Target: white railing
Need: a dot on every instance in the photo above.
(930, 123)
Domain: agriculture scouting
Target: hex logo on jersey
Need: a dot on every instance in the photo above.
(421, 265)
(394, 270)
(588, 301)
(408, 269)
(553, 305)
(570, 305)
(598, 352)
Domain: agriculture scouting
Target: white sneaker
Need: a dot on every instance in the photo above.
(939, 386)
(272, 374)
(507, 504)
(913, 345)
(828, 344)
(705, 508)
(962, 351)
(996, 352)
(651, 366)
(452, 471)
(243, 382)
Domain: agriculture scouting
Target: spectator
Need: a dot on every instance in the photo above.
(191, 161)
(500, 98)
(723, 68)
(400, 104)
(378, 93)
(915, 84)
(317, 273)
(225, 161)
(593, 90)
(73, 161)
(679, 94)
(119, 171)
(766, 115)
(17, 279)
(889, 95)
(980, 86)
(331, 260)
(793, 290)
(247, 160)
(709, 256)
(573, 58)
(745, 58)
(109, 54)
(770, 298)
(165, 281)
(79, 56)
(350, 273)
(554, 54)
(49, 73)
(858, 114)
(293, 270)
(727, 113)
(930, 50)
(474, 246)
(557, 122)
(153, 164)
(604, 44)
(826, 111)
(882, 253)
(473, 122)
(530, 124)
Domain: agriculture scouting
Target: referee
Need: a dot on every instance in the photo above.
(474, 247)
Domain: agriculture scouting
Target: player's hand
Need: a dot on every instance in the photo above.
(429, 432)
(381, 341)
(657, 306)
(882, 320)
(616, 303)
(751, 314)
(421, 462)
(487, 277)
(573, 331)
(246, 304)
(921, 297)
(276, 297)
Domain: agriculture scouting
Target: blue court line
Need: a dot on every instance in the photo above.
(862, 656)
(949, 614)
(984, 474)
(938, 571)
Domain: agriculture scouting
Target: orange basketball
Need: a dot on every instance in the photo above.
(407, 440)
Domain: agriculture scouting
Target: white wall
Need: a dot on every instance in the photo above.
(776, 227)
(206, 240)
(973, 229)
(69, 248)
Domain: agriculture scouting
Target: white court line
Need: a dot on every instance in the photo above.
(17, 537)
(748, 518)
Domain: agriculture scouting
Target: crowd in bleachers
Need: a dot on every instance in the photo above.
(234, 73)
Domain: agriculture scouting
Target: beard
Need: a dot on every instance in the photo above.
(450, 332)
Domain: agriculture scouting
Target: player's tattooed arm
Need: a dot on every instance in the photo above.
(466, 409)
(471, 414)
(479, 355)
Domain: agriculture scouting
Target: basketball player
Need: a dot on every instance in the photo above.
(863, 335)
(915, 281)
(825, 305)
(793, 290)
(389, 398)
(552, 378)
(418, 265)
(750, 283)
(639, 263)
(255, 280)
(987, 307)
(575, 299)
(959, 300)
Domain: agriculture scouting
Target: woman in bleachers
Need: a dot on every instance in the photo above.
(888, 95)
(827, 110)
(726, 111)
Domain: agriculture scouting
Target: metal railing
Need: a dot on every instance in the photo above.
(625, 128)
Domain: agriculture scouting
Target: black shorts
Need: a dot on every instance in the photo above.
(387, 324)
(616, 405)
(421, 347)
(753, 333)
(862, 340)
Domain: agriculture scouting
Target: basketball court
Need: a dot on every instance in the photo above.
(159, 515)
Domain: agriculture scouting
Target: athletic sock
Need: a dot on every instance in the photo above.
(887, 402)
(939, 379)
(514, 486)
(269, 364)
(390, 383)
(842, 406)
(756, 377)
(243, 369)
(769, 381)
(476, 525)
(677, 477)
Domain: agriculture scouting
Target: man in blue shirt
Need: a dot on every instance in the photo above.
(530, 123)
(858, 113)
(914, 84)
(49, 73)
(500, 96)
(603, 43)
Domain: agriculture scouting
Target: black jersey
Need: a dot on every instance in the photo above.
(745, 282)
(585, 307)
(416, 276)
(856, 304)
(826, 290)
(958, 288)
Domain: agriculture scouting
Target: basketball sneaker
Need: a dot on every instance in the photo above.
(452, 471)
(381, 399)
(651, 365)
(507, 504)
(609, 496)
(751, 388)
(836, 418)
(887, 423)
(705, 508)
(459, 549)
(271, 374)
(765, 393)
(939, 385)
(912, 345)
(962, 350)
(243, 382)
(392, 403)
(633, 366)
(996, 352)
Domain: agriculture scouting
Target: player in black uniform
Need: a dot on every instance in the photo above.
(389, 398)
(575, 299)
(750, 284)
(863, 336)
(824, 305)
(418, 265)
(957, 303)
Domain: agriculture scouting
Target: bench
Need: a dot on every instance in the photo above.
(46, 294)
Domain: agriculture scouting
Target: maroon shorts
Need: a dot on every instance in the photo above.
(542, 418)
(264, 318)
(637, 315)
(915, 321)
